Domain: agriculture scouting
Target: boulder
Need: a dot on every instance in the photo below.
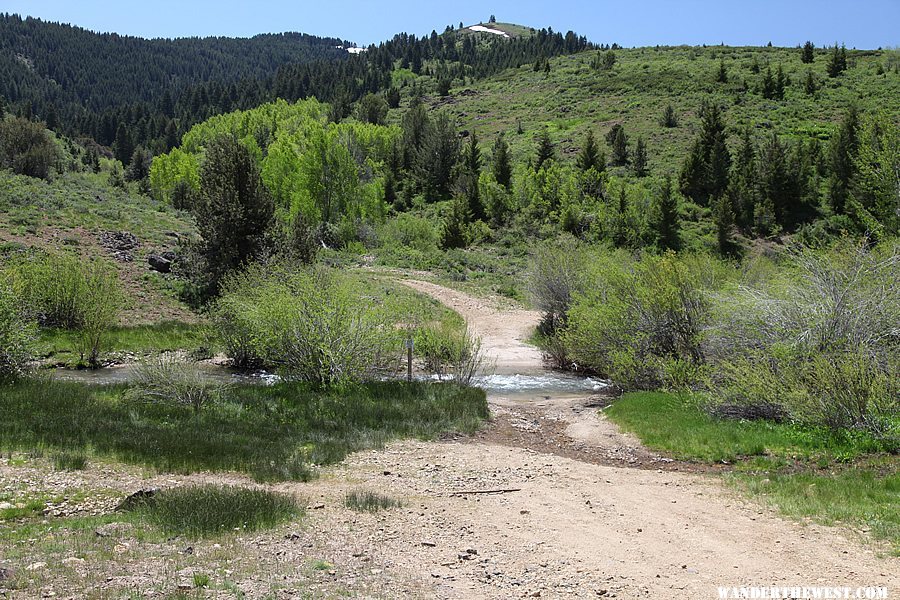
(160, 263)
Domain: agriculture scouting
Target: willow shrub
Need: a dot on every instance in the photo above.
(17, 334)
(312, 325)
(641, 323)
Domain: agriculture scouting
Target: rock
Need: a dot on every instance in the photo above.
(319, 506)
(188, 550)
(120, 244)
(5, 574)
(113, 530)
(36, 566)
(159, 263)
(137, 499)
(6, 506)
(73, 560)
(428, 543)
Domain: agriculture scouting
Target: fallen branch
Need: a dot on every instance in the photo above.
(500, 491)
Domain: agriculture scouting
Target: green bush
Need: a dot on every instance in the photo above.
(27, 148)
(312, 325)
(818, 338)
(451, 351)
(68, 292)
(17, 333)
(641, 323)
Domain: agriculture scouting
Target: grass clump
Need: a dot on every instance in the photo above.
(206, 510)
(70, 461)
(369, 501)
(166, 379)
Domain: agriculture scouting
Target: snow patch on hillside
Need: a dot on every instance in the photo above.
(352, 50)
(483, 29)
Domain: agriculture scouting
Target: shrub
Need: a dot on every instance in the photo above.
(70, 461)
(204, 510)
(166, 379)
(450, 351)
(640, 324)
(27, 148)
(557, 272)
(820, 338)
(71, 293)
(17, 333)
(308, 324)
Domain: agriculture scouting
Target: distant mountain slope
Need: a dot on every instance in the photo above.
(60, 64)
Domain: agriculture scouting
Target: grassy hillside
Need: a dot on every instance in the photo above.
(73, 212)
(573, 97)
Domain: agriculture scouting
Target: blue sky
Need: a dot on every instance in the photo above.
(858, 23)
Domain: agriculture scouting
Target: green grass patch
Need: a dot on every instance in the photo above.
(205, 510)
(678, 426)
(833, 478)
(70, 461)
(276, 433)
(860, 498)
(159, 337)
(369, 501)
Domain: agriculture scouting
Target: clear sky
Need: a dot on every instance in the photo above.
(858, 23)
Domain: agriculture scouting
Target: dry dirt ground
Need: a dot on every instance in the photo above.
(578, 510)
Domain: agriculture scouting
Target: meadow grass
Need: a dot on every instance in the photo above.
(369, 501)
(159, 337)
(205, 510)
(806, 473)
(276, 433)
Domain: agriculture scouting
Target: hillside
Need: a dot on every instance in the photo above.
(574, 97)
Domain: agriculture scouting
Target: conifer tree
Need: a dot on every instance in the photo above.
(669, 118)
(807, 53)
(589, 156)
(841, 157)
(472, 166)
(705, 172)
(837, 63)
(502, 167)
(666, 222)
(123, 147)
(780, 83)
(743, 184)
(454, 232)
(768, 85)
(810, 85)
(640, 158)
(545, 150)
(722, 74)
(619, 147)
(723, 215)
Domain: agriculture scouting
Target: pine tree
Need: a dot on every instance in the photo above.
(775, 180)
(841, 157)
(768, 85)
(640, 158)
(669, 118)
(666, 222)
(723, 215)
(472, 167)
(807, 53)
(123, 147)
(780, 83)
(722, 74)
(589, 156)
(437, 157)
(501, 164)
(454, 233)
(837, 64)
(810, 85)
(705, 172)
(619, 147)
(743, 184)
(545, 150)
(233, 212)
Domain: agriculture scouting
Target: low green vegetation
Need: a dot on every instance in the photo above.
(165, 336)
(207, 510)
(832, 477)
(273, 433)
(369, 501)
